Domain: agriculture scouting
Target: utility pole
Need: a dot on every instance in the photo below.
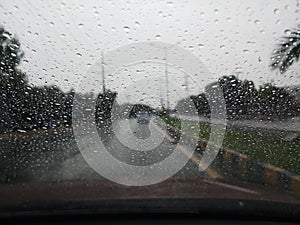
(166, 69)
(167, 78)
(186, 84)
(160, 97)
(103, 75)
(127, 98)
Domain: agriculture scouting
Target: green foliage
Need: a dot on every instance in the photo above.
(243, 100)
(10, 52)
(261, 146)
(13, 83)
(104, 105)
(23, 106)
(276, 101)
(287, 52)
(173, 122)
(240, 96)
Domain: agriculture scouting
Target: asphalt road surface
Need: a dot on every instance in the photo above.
(53, 155)
(126, 142)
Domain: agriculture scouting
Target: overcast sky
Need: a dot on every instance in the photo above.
(62, 39)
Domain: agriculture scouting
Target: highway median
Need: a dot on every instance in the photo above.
(234, 164)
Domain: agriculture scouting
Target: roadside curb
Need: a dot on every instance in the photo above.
(243, 167)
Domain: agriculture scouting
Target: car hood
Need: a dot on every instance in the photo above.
(18, 195)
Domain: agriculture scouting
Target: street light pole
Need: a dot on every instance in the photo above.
(103, 75)
(187, 84)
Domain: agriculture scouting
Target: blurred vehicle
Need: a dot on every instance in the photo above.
(143, 118)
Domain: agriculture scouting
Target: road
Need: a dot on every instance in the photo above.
(26, 156)
(53, 156)
(59, 172)
(75, 168)
(130, 149)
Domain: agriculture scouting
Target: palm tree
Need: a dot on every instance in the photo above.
(287, 52)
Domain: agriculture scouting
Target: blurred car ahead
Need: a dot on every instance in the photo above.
(143, 118)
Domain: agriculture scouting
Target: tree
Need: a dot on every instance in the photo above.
(276, 102)
(247, 97)
(45, 107)
(104, 105)
(13, 82)
(67, 108)
(23, 106)
(287, 52)
(201, 104)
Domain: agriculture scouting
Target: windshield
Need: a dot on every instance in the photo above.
(103, 100)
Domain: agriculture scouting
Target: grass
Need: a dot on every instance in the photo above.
(174, 122)
(262, 147)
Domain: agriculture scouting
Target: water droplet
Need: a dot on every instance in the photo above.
(287, 32)
(21, 131)
(137, 23)
(7, 35)
(126, 29)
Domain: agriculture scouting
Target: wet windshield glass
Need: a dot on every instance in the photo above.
(149, 99)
